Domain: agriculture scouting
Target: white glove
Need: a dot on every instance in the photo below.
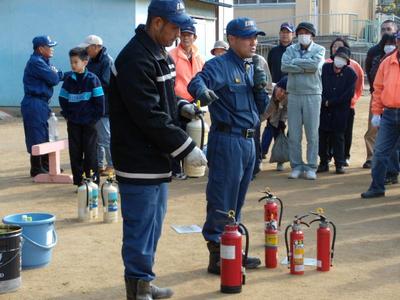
(376, 120)
(54, 69)
(196, 158)
(188, 111)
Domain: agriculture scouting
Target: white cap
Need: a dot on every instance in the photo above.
(91, 40)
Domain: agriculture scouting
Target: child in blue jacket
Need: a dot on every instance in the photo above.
(82, 103)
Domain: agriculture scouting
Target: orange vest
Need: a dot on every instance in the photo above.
(185, 70)
(387, 85)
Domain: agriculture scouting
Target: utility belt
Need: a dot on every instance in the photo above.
(247, 133)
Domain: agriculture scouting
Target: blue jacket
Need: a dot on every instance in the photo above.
(39, 77)
(101, 67)
(338, 90)
(238, 105)
(82, 98)
(304, 69)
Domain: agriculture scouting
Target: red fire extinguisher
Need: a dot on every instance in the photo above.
(233, 274)
(325, 250)
(295, 253)
(272, 224)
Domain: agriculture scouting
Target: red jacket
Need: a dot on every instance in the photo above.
(185, 70)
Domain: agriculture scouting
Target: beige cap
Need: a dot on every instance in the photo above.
(91, 40)
(219, 45)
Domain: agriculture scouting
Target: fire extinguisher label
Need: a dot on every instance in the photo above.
(298, 255)
(319, 263)
(227, 252)
(271, 240)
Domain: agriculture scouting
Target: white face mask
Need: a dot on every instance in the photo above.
(339, 62)
(389, 48)
(304, 39)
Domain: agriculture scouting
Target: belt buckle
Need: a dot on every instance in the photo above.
(249, 133)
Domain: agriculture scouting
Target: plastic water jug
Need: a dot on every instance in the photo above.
(53, 130)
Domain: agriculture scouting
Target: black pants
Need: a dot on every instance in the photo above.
(331, 140)
(348, 135)
(82, 150)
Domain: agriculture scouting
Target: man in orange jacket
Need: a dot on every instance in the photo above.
(386, 116)
(187, 60)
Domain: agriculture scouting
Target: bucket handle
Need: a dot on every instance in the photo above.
(11, 259)
(55, 239)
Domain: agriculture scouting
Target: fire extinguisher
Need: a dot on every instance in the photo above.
(233, 274)
(325, 250)
(295, 253)
(84, 196)
(272, 224)
(109, 195)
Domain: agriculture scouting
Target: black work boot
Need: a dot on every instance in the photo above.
(143, 290)
(160, 293)
(251, 262)
(45, 162)
(130, 286)
(214, 264)
(36, 166)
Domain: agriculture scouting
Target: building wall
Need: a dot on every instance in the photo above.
(268, 18)
(67, 22)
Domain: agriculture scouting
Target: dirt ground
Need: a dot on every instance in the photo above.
(86, 262)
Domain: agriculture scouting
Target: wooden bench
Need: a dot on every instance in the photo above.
(53, 150)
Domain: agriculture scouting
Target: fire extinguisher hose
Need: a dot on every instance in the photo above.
(287, 244)
(246, 248)
(333, 241)
(202, 132)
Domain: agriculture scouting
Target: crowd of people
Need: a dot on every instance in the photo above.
(129, 116)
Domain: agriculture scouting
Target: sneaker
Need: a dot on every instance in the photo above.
(295, 174)
(391, 180)
(346, 163)
(340, 170)
(323, 168)
(279, 167)
(107, 171)
(179, 176)
(371, 194)
(311, 175)
(367, 165)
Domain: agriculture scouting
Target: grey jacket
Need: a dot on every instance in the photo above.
(304, 69)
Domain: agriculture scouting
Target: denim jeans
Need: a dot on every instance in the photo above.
(303, 110)
(103, 142)
(385, 144)
(269, 132)
(143, 209)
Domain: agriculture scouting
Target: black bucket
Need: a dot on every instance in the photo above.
(10, 258)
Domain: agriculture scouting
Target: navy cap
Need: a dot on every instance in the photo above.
(287, 26)
(283, 82)
(43, 40)
(343, 52)
(189, 27)
(172, 10)
(243, 27)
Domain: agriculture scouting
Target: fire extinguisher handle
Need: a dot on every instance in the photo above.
(333, 240)
(287, 245)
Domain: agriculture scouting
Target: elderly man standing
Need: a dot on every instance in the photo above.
(40, 76)
(144, 137)
(385, 115)
(235, 91)
(100, 63)
(303, 62)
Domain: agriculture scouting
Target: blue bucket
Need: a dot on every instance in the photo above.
(39, 237)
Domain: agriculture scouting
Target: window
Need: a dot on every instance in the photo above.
(244, 2)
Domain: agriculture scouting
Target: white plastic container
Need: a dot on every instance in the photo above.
(53, 127)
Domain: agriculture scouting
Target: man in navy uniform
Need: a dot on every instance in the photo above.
(235, 91)
(39, 78)
(144, 139)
